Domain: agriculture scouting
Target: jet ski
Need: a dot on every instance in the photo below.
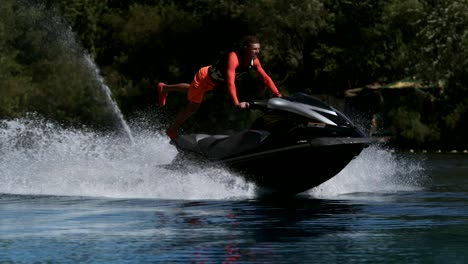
(297, 143)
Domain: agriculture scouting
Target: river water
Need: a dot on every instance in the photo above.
(69, 196)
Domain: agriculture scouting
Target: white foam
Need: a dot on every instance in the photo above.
(375, 170)
(41, 158)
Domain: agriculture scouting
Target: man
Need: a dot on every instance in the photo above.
(209, 77)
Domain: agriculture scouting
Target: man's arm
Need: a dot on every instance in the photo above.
(232, 64)
(265, 78)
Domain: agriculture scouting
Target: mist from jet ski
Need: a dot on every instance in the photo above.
(297, 143)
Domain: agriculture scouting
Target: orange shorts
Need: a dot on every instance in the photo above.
(201, 83)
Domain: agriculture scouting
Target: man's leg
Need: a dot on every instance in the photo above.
(163, 89)
(181, 117)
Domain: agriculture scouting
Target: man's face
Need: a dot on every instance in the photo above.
(252, 50)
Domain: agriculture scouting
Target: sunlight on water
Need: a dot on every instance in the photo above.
(42, 158)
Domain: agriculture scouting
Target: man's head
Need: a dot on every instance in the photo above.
(250, 46)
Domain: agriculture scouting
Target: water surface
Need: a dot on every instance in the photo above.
(71, 196)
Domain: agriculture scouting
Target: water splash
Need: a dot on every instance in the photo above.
(375, 171)
(108, 94)
(41, 158)
(59, 31)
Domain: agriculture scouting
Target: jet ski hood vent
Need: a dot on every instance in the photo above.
(308, 106)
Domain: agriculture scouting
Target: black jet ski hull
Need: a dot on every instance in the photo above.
(288, 170)
(298, 169)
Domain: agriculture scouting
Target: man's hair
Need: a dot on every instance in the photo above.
(249, 39)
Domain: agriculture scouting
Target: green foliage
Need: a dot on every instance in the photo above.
(409, 130)
(14, 80)
(457, 115)
(84, 16)
(44, 70)
(313, 46)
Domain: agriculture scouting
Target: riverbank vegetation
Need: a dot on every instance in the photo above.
(311, 46)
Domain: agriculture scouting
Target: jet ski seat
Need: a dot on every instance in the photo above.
(205, 141)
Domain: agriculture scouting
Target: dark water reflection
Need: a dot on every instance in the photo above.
(259, 230)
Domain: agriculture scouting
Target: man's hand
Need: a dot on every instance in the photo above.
(243, 105)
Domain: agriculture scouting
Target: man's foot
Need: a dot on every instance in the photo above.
(161, 95)
(171, 133)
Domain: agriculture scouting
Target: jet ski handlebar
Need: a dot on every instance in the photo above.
(259, 104)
